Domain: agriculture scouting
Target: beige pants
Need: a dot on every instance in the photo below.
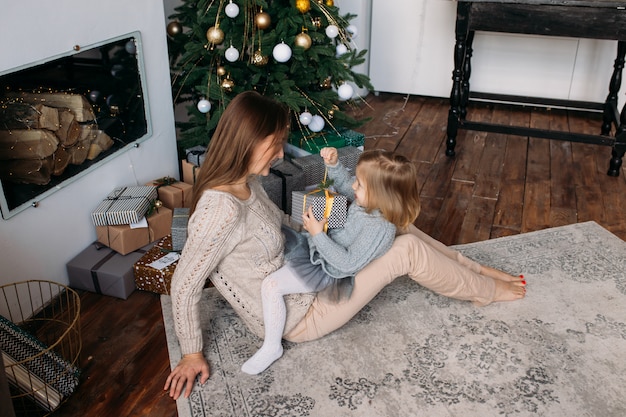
(424, 259)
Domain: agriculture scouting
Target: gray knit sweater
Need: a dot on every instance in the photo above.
(364, 237)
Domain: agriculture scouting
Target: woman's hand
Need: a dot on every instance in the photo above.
(311, 224)
(330, 156)
(181, 379)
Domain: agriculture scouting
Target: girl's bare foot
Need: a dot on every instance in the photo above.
(499, 275)
(509, 291)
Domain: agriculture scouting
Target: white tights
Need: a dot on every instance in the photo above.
(273, 289)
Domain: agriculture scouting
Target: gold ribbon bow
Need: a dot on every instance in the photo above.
(328, 195)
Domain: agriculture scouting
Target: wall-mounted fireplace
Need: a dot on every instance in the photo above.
(62, 117)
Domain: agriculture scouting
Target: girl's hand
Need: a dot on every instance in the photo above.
(182, 378)
(311, 224)
(330, 156)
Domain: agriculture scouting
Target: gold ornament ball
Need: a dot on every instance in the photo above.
(303, 6)
(158, 203)
(331, 112)
(330, 3)
(258, 59)
(303, 40)
(221, 71)
(262, 20)
(228, 85)
(174, 28)
(215, 35)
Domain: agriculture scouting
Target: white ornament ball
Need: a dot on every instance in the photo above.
(352, 30)
(341, 49)
(130, 47)
(232, 10)
(282, 52)
(305, 118)
(345, 91)
(204, 106)
(317, 123)
(232, 54)
(332, 31)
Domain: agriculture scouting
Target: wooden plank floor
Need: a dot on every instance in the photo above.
(497, 185)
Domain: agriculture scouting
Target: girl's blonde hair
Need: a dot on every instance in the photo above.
(248, 119)
(391, 186)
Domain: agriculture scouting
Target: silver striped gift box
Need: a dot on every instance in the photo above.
(179, 228)
(124, 205)
(314, 168)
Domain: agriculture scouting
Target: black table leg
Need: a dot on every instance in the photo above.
(610, 105)
(454, 114)
(611, 113)
(467, 73)
(619, 148)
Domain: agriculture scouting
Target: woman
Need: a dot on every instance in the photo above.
(235, 238)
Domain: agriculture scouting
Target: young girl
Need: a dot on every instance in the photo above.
(385, 197)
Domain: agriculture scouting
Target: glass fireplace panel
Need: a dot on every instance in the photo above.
(63, 117)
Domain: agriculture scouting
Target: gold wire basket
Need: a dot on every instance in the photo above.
(41, 342)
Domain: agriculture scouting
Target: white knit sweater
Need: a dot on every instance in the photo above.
(236, 243)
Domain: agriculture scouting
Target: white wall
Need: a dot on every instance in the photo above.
(38, 242)
(363, 11)
(415, 54)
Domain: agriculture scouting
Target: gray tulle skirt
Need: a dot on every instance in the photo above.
(313, 276)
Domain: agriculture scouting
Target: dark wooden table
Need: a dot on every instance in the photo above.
(593, 19)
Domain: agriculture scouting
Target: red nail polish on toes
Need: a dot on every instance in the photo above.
(521, 276)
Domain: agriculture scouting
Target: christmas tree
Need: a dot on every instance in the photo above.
(299, 52)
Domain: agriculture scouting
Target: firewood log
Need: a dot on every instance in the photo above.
(27, 171)
(79, 151)
(27, 144)
(99, 144)
(61, 160)
(19, 115)
(69, 129)
(78, 104)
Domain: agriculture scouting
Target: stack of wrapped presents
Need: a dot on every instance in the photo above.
(141, 230)
(128, 223)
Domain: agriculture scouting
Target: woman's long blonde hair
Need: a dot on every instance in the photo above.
(391, 186)
(248, 119)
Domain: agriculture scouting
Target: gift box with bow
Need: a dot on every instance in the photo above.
(314, 168)
(326, 204)
(173, 193)
(124, 205)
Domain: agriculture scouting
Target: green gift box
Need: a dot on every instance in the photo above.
(353, 138)
(314, 142)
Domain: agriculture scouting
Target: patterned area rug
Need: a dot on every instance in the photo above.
(559, 352)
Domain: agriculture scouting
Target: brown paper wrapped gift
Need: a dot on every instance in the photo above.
(173, 193)
(151, 279)
(190, 172)
(123, 239)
